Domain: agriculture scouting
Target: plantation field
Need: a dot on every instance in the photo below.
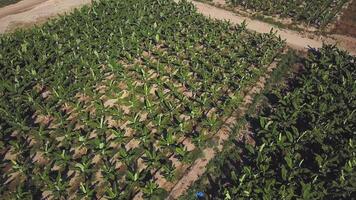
(107, 101)
(318, 13)
(301, 143)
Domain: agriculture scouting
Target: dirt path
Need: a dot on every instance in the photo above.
(19, 7)
(28, 12)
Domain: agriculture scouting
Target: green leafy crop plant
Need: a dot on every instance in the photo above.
(318, 13)
(96, 102)
(303, 143)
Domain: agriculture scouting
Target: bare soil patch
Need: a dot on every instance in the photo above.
(27, 13)
(21, 6)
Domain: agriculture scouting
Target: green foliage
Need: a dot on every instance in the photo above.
(85, 97)
(315, 12)
(304, 140)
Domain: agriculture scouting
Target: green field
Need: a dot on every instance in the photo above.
(95, 103)
(318, 13)
(303, 144)
(119, 98)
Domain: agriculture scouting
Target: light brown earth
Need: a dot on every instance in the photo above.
(346, 25)
(19, 7)
(29, 12)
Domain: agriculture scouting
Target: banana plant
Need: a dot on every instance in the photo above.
(182, 153)
(152, 157)
(168, 171)
(58, 187)
(126, 156)
(167, 139)
(21, 193)
(85, 167)
(151, 190)
(112, 192)
(86, 190)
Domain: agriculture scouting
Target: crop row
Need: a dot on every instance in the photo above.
(318, 13)
(96, 103)
(303, 144)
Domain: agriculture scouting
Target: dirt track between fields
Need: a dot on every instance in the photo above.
(29, 12)
(19, 7)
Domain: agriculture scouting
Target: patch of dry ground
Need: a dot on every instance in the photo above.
(294, 39)
(19, 7)
(29, 12)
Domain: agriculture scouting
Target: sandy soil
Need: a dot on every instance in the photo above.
(346, 25)
(19, 7)
(28, 12)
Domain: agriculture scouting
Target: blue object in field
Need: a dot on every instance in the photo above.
(199, 194)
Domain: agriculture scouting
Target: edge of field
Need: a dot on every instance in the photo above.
(28, 13)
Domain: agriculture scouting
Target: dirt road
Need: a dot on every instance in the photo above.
(19, 7)
(28, 12)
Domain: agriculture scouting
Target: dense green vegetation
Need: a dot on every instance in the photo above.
(94, 103)
(304, 139)
(313, 12)
(7, 2)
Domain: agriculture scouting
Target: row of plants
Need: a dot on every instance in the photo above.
(303, 139)
(318, 13)
(93, 104)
